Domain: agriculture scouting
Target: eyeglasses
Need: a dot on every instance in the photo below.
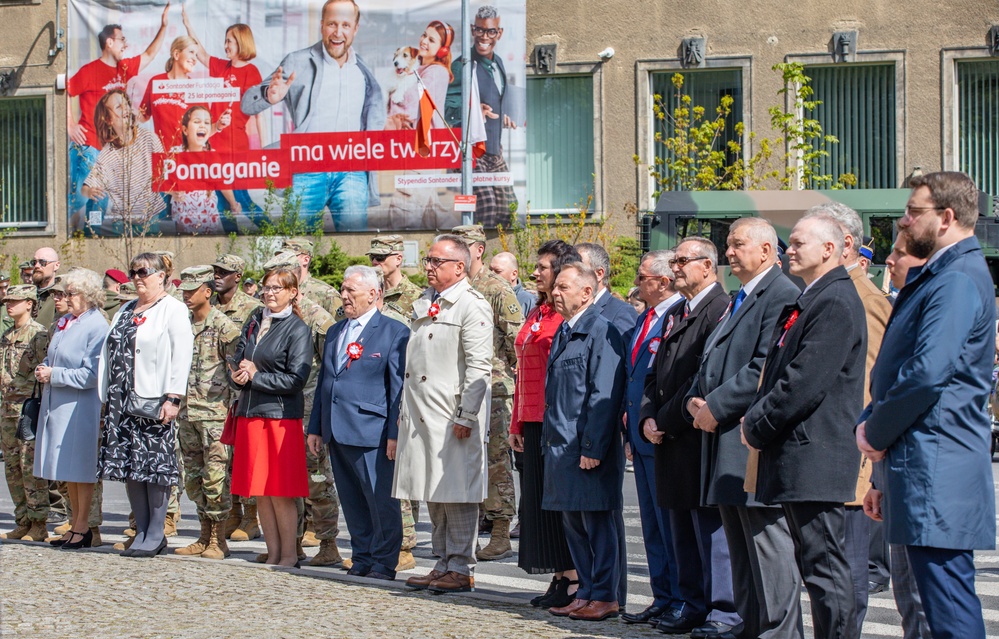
(683, 261)
(271, 290)
(642, 278)
(381, 258)
(910, 209)
(42, 263)
(436, 262)
(141, 273)
(492, 33)
(58, 295)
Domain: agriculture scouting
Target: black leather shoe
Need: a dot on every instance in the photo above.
(716, 630)
(548, 593)
(681, 624)
(669, 613)
(645, 615)
(873, 587)
(358, 571)
(379, 575)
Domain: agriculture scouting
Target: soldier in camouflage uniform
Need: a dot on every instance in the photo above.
(398, 295)
(319, 515)
(22, 349)
(316, 290)
(202, 415)
(5, 321)
(500, 504)
(237, 306)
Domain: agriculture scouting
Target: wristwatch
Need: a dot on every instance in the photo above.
(173, 400)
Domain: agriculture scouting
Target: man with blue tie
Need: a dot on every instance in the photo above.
(765, 582)
(360, 386)
(655, 287)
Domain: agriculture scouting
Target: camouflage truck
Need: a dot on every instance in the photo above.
(682, 214)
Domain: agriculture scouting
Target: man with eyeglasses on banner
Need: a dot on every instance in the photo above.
(492, 202)
(43, 269)
(441, 454)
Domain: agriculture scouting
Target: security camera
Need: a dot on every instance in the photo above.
(606, 54)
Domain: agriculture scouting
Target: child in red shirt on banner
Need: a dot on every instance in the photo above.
(197, 211)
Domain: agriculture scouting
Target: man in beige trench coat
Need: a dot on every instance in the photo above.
(443, 426)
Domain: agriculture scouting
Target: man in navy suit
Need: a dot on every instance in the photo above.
(927, 416)
(655, 287)
(622, 315)
(583, 455)
(360, 386)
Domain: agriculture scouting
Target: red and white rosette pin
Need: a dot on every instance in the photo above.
(654, 345)
(354, 351)
(536, 327)
(139, 320)
(434, 310)
(63, 322)
(669, 326)
(787, 326)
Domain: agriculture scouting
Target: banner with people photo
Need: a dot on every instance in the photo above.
(208, 117)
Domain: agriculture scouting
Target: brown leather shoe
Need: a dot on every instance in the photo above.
(595, 611)
(565, 611)
(452, 582)
(422, 583)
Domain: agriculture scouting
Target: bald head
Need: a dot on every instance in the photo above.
(505, 265)
(44, 267)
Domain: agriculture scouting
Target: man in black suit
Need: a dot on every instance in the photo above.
(766, 584)
(702, 563)
(800, 423)
(618, 312)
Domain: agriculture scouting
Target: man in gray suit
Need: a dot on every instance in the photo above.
(328, 88)
(765, 582)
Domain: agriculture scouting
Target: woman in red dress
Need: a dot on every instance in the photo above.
(543, 548)
(270, 367)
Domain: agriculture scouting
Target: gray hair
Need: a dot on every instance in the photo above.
(658, 262)
(583, 272)
(459, 245)
(367, 274)
(596, 256)
(486, 12)
(758, 229)
(88, 284)
(848, 220)
(828, 229)
(705, 248)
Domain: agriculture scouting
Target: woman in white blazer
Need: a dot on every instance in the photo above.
(144, 368)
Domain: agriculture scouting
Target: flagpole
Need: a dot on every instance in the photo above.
(467, 217)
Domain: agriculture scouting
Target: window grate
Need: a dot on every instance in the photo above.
(23, 172)
(978, 122)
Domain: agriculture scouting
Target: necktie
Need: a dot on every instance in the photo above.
(686, 309)
(348, 337)
(739, 299)
(649, 317)
(563, 333)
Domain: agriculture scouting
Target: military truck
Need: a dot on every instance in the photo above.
(681, 214)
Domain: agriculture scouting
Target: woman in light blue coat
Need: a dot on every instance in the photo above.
(69, 421)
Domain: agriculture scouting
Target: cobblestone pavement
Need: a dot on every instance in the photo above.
(95, 594)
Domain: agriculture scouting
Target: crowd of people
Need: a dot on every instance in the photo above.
(788, 433)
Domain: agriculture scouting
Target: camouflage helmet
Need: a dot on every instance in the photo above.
(21, 292)
(471, 233)
(383, 245)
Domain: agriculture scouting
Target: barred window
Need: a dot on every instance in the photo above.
(23, 167)
(978, 122)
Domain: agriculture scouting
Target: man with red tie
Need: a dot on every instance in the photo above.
(655, 287)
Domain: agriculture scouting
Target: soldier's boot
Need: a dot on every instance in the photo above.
(248, 528)
(217, 548)
(328, 555)
(235, 517)
(499, 542)
(124, 545)
(261, 558)
(309, 539)
(170, 525)
(130, 531)
(37, 532)
(198, 546)
(406, 561)
(96, 542)
(301, 553)
(59, 531)
(347, 564)
(21, 530)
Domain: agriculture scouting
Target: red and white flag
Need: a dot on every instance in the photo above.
(476, 123)
(424, 139)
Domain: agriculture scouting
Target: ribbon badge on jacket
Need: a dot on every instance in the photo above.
(354, 351)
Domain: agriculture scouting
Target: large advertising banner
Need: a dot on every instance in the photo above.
(222, 116)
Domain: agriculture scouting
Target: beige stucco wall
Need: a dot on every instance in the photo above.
(645, 31)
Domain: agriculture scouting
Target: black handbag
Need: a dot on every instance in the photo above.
(27, 423)
(145, 407)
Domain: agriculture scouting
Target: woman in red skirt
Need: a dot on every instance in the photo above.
(271, 365)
